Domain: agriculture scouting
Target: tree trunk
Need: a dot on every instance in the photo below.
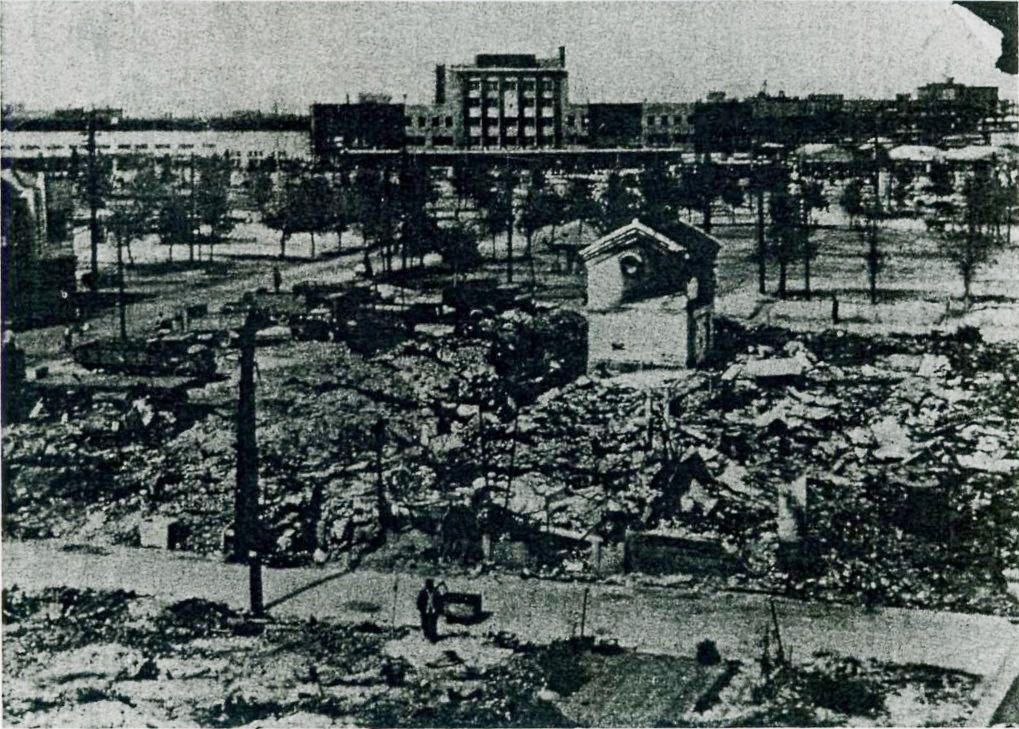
(761, 248)
(805, 233)
(120, 291)
(367, 261)
(529, 252)
(283, 245)
(509, 254)
(872, 261)
(806, 274)
(312, 232)
(94, 236)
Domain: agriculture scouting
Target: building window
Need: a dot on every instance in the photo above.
(435, 121)
(529, 85)
(665, 120)
(509, 86)
(650, 121)
(421, 121)
(449, 121)
(571, 120)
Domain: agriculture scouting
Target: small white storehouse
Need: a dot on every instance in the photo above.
(650, 296)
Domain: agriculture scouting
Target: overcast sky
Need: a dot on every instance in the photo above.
(208, 57)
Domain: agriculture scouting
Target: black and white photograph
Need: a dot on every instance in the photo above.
(509, 363)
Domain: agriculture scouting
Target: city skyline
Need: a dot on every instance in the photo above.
(151, 58)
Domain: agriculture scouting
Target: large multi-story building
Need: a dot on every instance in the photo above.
(505, 100)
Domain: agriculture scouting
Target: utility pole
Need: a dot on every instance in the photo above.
(873, 255)
(191, 212)
(761, 249)
(247, 525)
(120, 290)
(92, 188)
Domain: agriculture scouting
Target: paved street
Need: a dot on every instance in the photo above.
(662, 620)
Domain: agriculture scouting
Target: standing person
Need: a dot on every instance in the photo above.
(834, 310)
(429, 605)
(277, 279)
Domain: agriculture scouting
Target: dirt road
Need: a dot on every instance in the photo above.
(43, 345)
(664, 620)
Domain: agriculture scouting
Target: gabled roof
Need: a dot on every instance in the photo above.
(621, 237)
(624, 236)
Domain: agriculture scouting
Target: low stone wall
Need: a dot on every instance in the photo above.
(659, 554)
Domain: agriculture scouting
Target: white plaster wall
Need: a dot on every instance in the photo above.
(649, 337)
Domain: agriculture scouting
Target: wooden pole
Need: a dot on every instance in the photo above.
(583, 612)
(120, 289)
(94, 201)
(778, 633)
(247, 530)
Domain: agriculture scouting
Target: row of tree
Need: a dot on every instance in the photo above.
(395, 206)
(185, 204)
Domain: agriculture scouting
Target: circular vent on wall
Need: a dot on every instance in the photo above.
(631, 265)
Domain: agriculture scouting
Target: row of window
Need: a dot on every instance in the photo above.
(423, 121)
(494, 102)
(664, 120)
(475, 140)
(492, 84)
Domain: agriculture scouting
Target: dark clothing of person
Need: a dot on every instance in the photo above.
(429, 604)
(834, 310)
(277, 279)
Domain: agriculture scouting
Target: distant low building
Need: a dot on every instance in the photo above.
(650, 296)
(366, 125)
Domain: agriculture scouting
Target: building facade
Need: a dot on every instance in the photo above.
(505, 101)
(650, 296)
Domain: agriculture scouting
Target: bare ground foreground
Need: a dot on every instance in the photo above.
(149, 638)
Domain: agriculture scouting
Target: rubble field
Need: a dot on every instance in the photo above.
(879, 470)
(113, 658)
